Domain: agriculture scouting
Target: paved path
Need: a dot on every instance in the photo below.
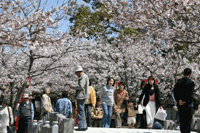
(124, 130)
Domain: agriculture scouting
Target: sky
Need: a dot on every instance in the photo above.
(53, 3)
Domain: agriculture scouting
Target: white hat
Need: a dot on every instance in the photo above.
(25, 95)
(78, 69)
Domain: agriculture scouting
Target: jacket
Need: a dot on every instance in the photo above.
(147, 91)
(183, 90)
(82, 90)
(92, 97)
(107, 95)
(119, 100)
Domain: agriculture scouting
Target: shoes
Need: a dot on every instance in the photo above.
(178, 128)
(133, 127)
(83, 129)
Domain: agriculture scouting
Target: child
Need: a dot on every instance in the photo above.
(97, 114)
(131, 114)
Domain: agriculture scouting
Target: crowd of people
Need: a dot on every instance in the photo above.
(111, 104)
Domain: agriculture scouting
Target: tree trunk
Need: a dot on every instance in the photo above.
(18, 97)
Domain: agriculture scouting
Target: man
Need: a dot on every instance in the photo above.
(183, 93)
(26, 112)
(64, 105)
(82, 93)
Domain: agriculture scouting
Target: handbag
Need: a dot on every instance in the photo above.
(9, 128)
(161, 114)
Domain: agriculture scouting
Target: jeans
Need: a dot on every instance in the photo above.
(177, 117)
(88, 108)
(107, 112)
(81, 114)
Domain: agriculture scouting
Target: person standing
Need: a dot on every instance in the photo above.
(6, 117)
(183, 93)
(107, 101)
(90, 102)
(141, 113)
(26, 112)
(46, 103)
(64, 105)
(82, 93)
(151, 100)
(120, 96)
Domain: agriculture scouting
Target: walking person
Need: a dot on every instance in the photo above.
(82, 93)
(6, 117)
(183, 93)
(120, 96)
(107, 101)
(131, 114)
(46, 103)
(141, 113)
(151, 100)
(90, 102)
(64, 105)
(26, 112)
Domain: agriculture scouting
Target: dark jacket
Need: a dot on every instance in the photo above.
(183, 90)
(147, 91)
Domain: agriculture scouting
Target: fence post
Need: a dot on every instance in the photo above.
(55, 127)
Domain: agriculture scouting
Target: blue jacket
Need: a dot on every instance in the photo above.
(107, 95)
(64, 106)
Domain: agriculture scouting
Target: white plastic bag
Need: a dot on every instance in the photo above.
(161, 114)
(140, 109)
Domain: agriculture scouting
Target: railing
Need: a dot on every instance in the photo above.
(52, 123)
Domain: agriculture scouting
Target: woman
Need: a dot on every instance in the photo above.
(6, 117)
(120, 96)
(46, 103)
(151, 100)
(141, 114)
(107, 101)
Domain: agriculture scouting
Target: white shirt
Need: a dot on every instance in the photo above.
(4, 117)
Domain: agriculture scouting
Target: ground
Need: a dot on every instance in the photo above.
(125, 130)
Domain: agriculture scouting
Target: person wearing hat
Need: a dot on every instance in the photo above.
(82, 93)
(26, 112)
(183, 93)
(6, 116)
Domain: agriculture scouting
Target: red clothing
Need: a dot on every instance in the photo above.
(122, 92)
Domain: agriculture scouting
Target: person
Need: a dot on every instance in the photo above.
(82, 93)
(177, 113)
(120, 96)
(183, 93)
(6, 117)
(90, 102)
(131, 114)
(97, 114)
(46, 103)
(107, 101)
(26, 112)
(64, 105)
(151, 100)
(141, 113)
